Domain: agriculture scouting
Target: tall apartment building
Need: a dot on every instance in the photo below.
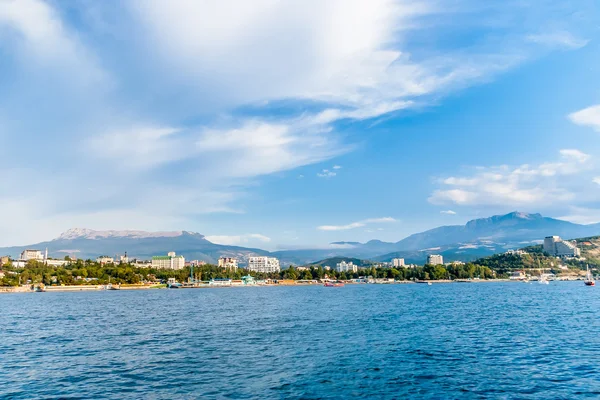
(346, 267)
(170, 261)
(435, 259)
(228, 263)
(555, 246)
(32, 255)
(263, 264)
(398, 262)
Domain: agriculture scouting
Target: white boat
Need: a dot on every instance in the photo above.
(543, 280)
(589, 279)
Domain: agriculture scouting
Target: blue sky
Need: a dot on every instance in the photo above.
(283, 124)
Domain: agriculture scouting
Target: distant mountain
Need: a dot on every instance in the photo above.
(477, 238)
(514, 227)
(87, 243)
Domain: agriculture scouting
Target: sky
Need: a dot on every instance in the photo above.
(291, 124)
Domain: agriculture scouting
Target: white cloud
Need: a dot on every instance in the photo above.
(562, 39)
(582, 215)
(588, 117)
(523, 185)
(140, 146)
(178, 97)
(448, 212)
(236, 240)
(596, 180)
(326, 174)
(575, 154)
(354, 225)
(337, 167)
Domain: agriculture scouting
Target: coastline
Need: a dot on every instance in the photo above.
(101, 288)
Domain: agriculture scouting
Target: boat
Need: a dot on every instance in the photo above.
(429, 283)
(589, 279)
(40, 288)
(110, 286)
(333, 284)
(543, 280)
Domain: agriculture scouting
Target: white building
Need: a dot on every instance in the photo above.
(170, 261)
(346, 267)
(228, 263)
(27, 255)
(398, 262)
(57, 263)
(220, 282)
(263, 264)
(517, 275)
(516, 252)
(555, 246)
(105, 260)
(435, 259)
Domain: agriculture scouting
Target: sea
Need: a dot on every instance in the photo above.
(445, 341)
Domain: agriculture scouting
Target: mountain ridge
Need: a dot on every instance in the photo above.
(476, 238)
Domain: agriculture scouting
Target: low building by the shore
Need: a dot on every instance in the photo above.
(220, 282)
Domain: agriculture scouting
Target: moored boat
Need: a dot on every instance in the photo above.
(40, 288)
(333, 284)
(589, 279)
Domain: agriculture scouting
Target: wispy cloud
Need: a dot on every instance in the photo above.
(212, 133)
(238, 239)
(562, 39)
(582, 215)
(448, 212)
(358, 224)
(337, 167)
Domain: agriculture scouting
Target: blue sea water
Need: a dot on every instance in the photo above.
(484, 340)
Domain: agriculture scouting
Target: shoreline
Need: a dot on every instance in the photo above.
(101, 288)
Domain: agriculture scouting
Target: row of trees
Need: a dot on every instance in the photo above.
(91, 272)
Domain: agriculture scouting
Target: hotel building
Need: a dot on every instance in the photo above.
(263, 264)
(557, 247)
(435, 259)
(398, 262)
(170, 261)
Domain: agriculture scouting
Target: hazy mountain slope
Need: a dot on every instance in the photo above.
(142, 245)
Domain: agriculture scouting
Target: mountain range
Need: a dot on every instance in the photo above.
(479, 237)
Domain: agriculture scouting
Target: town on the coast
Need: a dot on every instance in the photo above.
(34, 270)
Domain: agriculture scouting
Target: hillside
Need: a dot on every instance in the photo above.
(332, 262)
(590, 249)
